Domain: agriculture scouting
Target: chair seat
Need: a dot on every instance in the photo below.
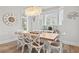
(55, 44)
(37, 44)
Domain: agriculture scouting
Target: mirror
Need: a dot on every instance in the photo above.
(11, 19)
(51, 19)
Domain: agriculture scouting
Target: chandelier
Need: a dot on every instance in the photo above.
(33, 11)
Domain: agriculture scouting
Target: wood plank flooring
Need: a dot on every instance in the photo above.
(11, 48)
(71, 49)
(8, 47)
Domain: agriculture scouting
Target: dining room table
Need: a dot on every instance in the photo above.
(43, 35)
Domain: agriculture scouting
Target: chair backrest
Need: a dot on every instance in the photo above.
(27, 38)
(24, 37)
(19, 35)
(36, 39)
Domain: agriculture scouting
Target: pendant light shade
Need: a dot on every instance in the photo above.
(33, 11)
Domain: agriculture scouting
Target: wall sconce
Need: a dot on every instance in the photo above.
(73, 15)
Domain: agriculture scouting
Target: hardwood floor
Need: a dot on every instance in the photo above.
(11, 48)
(8, 47)
(71, 49)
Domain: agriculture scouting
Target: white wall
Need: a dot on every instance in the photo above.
(7, 32)
(70, 27)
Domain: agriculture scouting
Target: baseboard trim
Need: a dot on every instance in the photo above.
(71, 43)
(7, 41)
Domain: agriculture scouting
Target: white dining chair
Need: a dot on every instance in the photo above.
(55, 46)
(38, 43)
(24, 39)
